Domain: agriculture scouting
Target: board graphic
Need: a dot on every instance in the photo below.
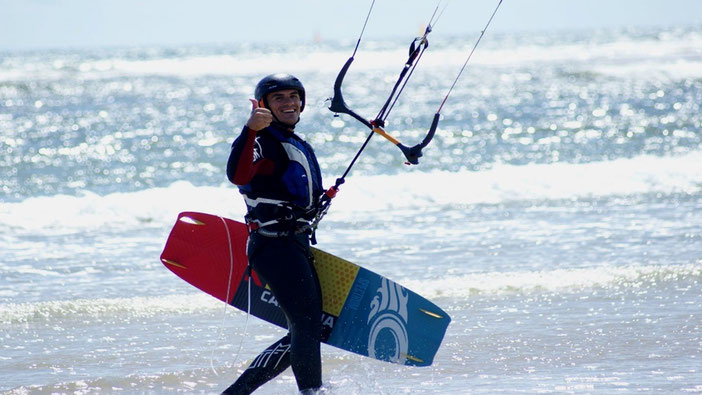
(363, 312)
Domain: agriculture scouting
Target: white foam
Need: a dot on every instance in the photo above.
(218, 65)
(411, 190)
(461, 287)
(533, 182)
(78, 309)
(64, 213)
(667, 52)
(559, 280)
(673, 70)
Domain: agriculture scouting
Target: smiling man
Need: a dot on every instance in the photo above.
(278, 175)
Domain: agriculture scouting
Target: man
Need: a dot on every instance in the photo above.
(278, 175)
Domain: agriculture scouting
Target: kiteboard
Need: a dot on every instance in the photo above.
(363, 312)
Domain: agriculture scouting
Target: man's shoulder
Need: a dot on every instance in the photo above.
(267, 136)
(267, 145)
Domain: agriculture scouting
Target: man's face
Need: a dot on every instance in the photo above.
(285, 105)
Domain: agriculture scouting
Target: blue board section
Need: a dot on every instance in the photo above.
(363, 312)
(383, 320)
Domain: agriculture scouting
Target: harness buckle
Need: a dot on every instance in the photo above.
(252, 226)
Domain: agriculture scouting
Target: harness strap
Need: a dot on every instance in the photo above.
(256, 226)
(253, 202)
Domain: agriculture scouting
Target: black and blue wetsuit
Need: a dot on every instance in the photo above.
(278, 175)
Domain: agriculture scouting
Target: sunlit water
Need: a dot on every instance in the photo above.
(557, 215)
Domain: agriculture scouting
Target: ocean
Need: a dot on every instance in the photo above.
(556, 216)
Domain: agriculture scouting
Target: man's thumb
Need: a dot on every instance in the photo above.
(254, 104)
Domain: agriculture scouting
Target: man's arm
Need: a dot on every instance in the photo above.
(243, 163)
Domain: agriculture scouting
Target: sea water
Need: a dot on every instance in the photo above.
(556, 216)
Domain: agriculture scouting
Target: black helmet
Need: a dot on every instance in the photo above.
(278, 82)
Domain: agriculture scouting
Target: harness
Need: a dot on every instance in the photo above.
(290, 221)
(256, 226)
(273, 216)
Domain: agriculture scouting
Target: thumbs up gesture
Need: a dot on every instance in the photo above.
(260, 117)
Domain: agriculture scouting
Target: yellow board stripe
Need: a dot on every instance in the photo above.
(174, 263)
(336, 277)
(415, 359)
(189, 220)
(430, 314)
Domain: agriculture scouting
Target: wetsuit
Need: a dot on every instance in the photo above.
(279, 177)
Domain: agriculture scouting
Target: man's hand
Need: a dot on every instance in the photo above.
(260, 117)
